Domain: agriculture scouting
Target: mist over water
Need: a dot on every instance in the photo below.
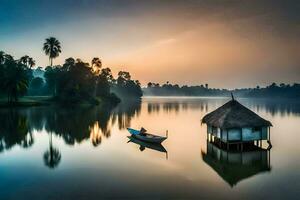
(84, 153)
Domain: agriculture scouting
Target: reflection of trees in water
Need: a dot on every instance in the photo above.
(176, 106)
(168, 107)
(153, 107)
(73, 125)
(124, 112)
(95, 134)
(52, 156)
(272, 106)
(14, 130)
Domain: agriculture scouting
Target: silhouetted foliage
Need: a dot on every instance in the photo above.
(52, 48)
(52, 156)
(73, 82)
(77, 81)
(37, 83)
(14, 77)
(72, 125)
(125, 87)
(273, 90)
(14, 130)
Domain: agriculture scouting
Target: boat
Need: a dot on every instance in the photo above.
(153, 146)
(147, 137)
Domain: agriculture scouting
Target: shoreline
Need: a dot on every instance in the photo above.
(35, 101)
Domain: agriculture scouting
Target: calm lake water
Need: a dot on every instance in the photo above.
(85, 153)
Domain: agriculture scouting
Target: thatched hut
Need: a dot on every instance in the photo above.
(234, 123)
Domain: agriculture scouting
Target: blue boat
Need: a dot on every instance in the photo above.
(147, 137)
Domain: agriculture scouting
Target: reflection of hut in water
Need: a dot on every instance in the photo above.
(233, 123)
(235, 166)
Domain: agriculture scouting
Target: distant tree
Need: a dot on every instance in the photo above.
(206, 85)
(24, 60)
(123, 77)
(77, 83)
(127, 87)
(104, 81)
(37, 83)
(282, 85)
(69, 62)
(31, 62)
(2, 57)
(273, 85)
(14, 79)
(52, 75)
(52, 48)
(96, 65)
(8, 57)
(149, 85)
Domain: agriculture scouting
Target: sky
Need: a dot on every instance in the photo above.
(225, 43)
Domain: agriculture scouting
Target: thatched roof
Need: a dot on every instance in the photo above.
(234, 115)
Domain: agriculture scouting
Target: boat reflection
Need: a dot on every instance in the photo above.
(234, 166)
(144, 145)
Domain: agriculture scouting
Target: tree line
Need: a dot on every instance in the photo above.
(74, 81)
(273, 90)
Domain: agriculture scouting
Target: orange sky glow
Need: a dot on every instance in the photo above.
(180, 43)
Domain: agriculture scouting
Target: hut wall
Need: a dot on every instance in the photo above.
(249, 134)
(264, 133)
(209, 129)
(214, 131)
(219, 133)
(234, 134)
(246, 134)
(224, 135)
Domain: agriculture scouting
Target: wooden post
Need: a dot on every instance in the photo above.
(269, 133)
(261, 137)
(260, 143)
(269, 158)
(221, 137)
(227, 139)
(227, 135)
(241, 131)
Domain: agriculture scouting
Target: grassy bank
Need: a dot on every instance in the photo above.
(28, 101)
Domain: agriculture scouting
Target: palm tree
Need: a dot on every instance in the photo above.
(24, 60)
(52, 156)
(8, 57)
(31, 62)
(52, 48)
(96, 66)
